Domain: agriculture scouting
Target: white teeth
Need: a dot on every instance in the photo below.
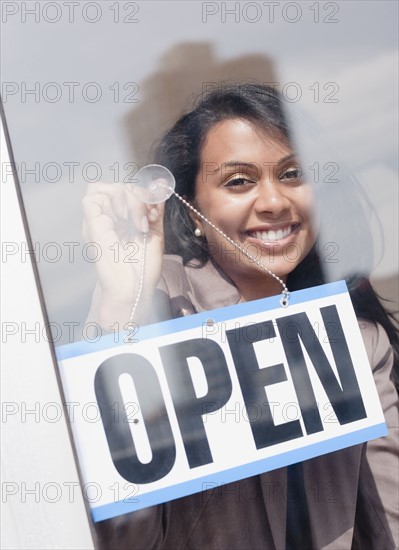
(271, 235)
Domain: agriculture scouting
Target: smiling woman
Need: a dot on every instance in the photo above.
(232, 159)
(256, 196)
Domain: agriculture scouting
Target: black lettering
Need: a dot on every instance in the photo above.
(189, 408)
(253, 381)
(117, 428)
(346, 401)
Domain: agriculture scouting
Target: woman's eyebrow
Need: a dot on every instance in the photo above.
(250, 165)
(287, 157)
(234, 164)
(241, 165)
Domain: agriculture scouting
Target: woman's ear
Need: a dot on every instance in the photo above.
(199, 227)
(198, 232)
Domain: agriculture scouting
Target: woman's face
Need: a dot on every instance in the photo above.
(250, 186)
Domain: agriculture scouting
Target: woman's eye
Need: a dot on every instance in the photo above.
(292, 173)
(238, 182)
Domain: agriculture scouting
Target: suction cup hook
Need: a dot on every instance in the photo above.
(154, 184)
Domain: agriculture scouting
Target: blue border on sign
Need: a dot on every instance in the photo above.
(107, 511)
(146, 332)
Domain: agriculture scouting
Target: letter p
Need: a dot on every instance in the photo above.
(8, 488)
(9, 88)
(209, 8)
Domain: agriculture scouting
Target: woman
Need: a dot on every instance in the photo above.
(232, 159)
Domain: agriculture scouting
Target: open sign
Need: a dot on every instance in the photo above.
(197, 402)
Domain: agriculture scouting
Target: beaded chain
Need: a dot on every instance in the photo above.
(131, 325)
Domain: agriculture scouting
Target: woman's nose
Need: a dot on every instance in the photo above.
(271, 198)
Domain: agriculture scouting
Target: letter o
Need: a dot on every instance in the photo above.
(258, 10)
(86, 329)
(56, 406)
(249, 417)
(86, 417)
(87, 487)
(57, 175)
(286, 332)
(85, 93)
(58, 90)
(98, 12)
(295, 246)
(253, 497)
(298, 11)
(58, 252)
(87, 257)
(51, 484)
(297, 410)
(86, 169)
(298, 92)
(292, 492)
(122, 444)
(257, 254)
(55, 335)
(253, 328)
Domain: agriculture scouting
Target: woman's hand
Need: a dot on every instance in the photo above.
(116, 221)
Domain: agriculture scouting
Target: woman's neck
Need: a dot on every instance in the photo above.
(251, 285)
(255, 288)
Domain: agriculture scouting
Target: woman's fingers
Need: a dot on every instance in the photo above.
(120, 203)
(145, 227)
(105, 207)
(93, 188)
(114, 191)
(99, 215)
(112, 211)
(116, 219)
(155, 213)
(98, 205)
(136, 208)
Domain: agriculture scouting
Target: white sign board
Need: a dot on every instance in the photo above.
(216, 397)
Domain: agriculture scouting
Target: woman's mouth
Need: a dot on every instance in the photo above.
(273, 235)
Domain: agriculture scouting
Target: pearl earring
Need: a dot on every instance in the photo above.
(197, 232)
